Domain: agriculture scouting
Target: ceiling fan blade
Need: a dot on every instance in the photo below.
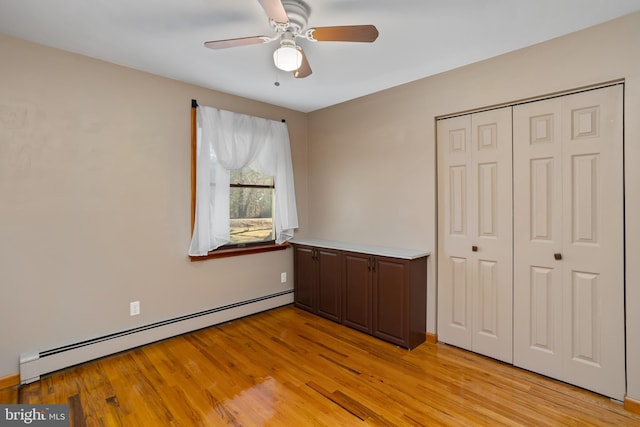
(305, 68)
(349, 33)
(243, 41)
(275, 10)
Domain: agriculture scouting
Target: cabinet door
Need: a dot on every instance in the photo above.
(391, 299)
(304, 277)
(329, 279)
(357, 291)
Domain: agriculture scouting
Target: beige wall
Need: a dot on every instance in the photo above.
(95, 201)
(372, 163)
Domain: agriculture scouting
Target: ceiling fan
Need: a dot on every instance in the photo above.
(289, 19)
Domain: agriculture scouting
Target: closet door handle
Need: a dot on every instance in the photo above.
(474, 248)
(557, 256)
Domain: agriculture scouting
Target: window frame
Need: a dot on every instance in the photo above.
(223, 251)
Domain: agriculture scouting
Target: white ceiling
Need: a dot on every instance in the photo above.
(417, 38)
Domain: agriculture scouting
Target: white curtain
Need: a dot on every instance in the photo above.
(227, 141)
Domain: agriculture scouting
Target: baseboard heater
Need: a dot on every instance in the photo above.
(35, 364)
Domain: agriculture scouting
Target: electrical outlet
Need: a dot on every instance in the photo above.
(283, 277)
(134, 308)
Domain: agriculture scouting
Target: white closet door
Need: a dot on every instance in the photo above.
(492, 207)
(475, 225)
(456, 240)
(569, 247)
(537, 170)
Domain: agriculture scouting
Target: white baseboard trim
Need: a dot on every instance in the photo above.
(35, 364)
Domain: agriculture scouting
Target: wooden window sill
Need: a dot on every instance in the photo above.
(225, 253)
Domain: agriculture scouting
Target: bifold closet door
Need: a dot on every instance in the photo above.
(475, 210)
(568, 239)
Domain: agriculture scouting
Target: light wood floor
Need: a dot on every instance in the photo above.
(289, 368)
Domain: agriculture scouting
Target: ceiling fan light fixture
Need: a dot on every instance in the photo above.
(287, 57)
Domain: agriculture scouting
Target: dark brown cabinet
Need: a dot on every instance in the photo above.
(317, 281)
(400, 300)
(304, 277)
(379, 295)
(357, 291)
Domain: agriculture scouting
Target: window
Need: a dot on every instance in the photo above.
(243, 197)
(251, 210)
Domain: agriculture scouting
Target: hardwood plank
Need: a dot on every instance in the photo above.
(288, 367)
(632, 405)
(76, 413)
(9, 381)
(9, 395)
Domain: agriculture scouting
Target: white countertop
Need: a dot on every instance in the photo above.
(366, 249)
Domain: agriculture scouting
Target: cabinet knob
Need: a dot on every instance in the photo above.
(474, 248)
(557, 256)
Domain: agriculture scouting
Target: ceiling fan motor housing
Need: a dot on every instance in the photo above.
(298, 13)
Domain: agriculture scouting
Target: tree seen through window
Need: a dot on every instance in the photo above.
(251, 207)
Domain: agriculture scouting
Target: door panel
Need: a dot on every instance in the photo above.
(568, 243)
(541, 309)
(329, 286)
(593, 257)
(537, 171)
(542, 200)
(475, 211)
(487, 198)
(488, 284)
(454, 244)
(458, 200)
(391, 299)
(584, 296)
(305, 276)
(459, 288)
(490, 205)
(357, 292)
(585, 198)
